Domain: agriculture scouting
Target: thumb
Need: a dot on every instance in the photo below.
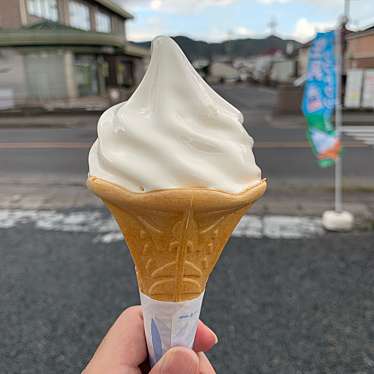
(178, 360)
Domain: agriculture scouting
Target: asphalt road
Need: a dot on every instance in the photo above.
(281, 152)
(277, 306)
(301, 306)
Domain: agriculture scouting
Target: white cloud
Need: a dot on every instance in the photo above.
(152, 27)
(242, 32)
(339, 4)
(328, 3)
(268, 2)
(305, 29)
(173, 6)
(156, 4)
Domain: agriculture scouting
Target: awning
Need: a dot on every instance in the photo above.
(51, 34)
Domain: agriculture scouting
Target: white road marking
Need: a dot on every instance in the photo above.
(291, 227)
(364, 134)
(106, 231)
(267, 90)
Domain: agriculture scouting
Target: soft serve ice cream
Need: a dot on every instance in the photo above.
(174, 132)
(178, 140)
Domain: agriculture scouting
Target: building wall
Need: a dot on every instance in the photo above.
(220, 70)
(282, 71)
(118, 23)
(361, 63)
(139, 70)
(118, 26)
(302, 61)
(14, 14)
(12, 77)
(10, 15)
(63, 12)
(360, 52)
(45, 74)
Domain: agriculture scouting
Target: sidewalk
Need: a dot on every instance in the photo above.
(295, 201)
(350, 118)
(74, 118)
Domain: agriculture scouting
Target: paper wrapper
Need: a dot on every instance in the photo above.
(168, 324)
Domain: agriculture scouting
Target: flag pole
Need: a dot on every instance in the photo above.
(338, 219)
(338, 121)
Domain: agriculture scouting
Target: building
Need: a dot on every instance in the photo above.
(360, 49)
(283, 70)
(302, 58)
(66, 52)
(358, 68)
(222, 72)
(262, 65)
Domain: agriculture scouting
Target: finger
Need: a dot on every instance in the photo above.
(124, 345)
(205, 338)
(205, 366)
(177, 360)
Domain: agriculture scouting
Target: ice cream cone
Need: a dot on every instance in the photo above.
(176, 232)
(175, 236)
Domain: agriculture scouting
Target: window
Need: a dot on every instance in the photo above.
(103, 23)
(86, 75)
(43, 8)
(79, 15)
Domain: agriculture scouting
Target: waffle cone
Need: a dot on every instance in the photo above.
(175, 236)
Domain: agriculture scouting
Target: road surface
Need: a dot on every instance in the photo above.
(277, 306)
(281, 152)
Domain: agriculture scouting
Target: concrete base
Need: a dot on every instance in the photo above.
(337, 221)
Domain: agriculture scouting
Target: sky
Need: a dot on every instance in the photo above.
(217, 20)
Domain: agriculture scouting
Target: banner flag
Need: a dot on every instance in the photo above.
(319, 99)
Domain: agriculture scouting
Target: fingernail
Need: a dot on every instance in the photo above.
(215, 337)
(175, 361)
(213, 333)
(165, 362)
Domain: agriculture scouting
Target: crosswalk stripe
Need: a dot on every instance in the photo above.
(363, 134)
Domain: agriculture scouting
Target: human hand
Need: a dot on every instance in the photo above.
(124, 351)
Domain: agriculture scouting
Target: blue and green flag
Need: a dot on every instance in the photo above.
(319, 99)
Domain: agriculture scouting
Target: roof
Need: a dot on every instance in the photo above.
(48, 33)
(134, 50)
(362, 33)
(111, 5)
(45, 24)
(23, 38)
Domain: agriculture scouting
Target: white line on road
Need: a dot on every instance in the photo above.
(268, 90)
(349, 129)
(107, 231)
(364, 134)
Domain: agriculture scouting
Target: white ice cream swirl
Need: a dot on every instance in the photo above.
(174, 132)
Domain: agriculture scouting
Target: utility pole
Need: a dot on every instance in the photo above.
(347, 5)
(273, 26)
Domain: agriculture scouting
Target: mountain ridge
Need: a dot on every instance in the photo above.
(246, 47)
